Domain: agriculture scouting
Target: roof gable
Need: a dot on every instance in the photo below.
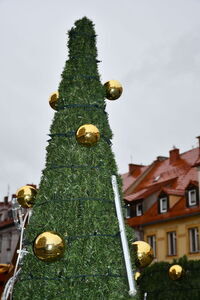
(171, 177)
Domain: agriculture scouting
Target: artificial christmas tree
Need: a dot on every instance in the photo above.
(73, 239)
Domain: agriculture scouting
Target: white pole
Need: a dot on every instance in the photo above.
(132, 289)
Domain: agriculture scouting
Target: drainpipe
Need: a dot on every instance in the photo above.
(198, 167)
(198, 174)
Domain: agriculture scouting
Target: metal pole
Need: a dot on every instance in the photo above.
(132, 289)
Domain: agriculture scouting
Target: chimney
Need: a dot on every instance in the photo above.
(13, 196)
(6, 199)
(198, 137)
(173, 155)
(134, 167)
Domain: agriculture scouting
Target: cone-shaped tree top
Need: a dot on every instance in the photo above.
(80, 76)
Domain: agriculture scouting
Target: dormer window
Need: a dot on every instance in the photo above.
(163, 204)
(139, 209)
(192, 197)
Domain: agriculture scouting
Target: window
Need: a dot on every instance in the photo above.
(163, 205)
(1, 217)
(194, 240)
(9, 240)
(171, 243)
(151, 240)
(192, 197)
(128, 211)
(10, 215)
(139, 209)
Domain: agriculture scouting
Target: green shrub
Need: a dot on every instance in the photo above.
(156, 282)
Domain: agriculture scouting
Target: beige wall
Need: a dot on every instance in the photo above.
(173, 200)
(6, 254)
(181, 227)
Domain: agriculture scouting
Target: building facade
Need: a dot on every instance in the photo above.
(9, 235)
(162, 204)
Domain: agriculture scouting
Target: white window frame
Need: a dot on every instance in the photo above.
(151, 240)
(163, 210)
(139, 210)
(194, 239)
(128, 211)
(192, 200)
(171, 243)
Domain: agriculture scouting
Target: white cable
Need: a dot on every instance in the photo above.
(132, 289)
(8, 286)
(15, 208)
(17, 212)
(21, 252)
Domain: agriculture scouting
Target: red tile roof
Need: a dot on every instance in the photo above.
(170, 176)
(162, 171)
(179, 210)
(145, 192)
(175, 192)
(132, 175)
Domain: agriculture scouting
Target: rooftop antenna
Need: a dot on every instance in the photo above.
(8, 191)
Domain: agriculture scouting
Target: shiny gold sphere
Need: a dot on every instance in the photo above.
(49, 246)
(137, 275)
(26, 196)
(113, 89)
(88, 135)
(144, 253)
(53, 100)
(176, 272)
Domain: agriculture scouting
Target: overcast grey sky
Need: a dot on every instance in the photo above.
(152, 47)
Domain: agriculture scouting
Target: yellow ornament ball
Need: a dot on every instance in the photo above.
(49, 246)
(137, 276)
(176, 272)
(53, 100)
(26, 196)
(87, 135)
(143, 252)
(113, 89)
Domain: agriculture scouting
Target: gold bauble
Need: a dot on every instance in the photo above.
(26, 196)
(88, 135)
(137, 275)
(113, 89)
(49, 246)
(176, 272)
(53, 100)
(143, 252)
